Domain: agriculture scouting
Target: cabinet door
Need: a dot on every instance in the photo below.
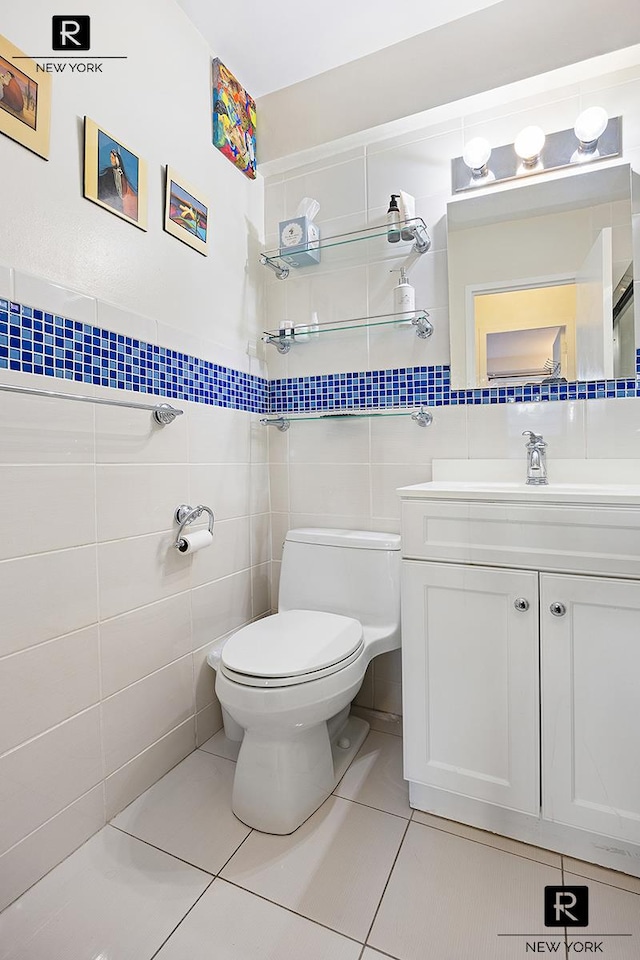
(470, 682)
(591, 704)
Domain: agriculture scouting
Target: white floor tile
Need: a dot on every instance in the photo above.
(375, 776)
(188, 813)
(221, 747)
(245, 927)
(490, 839)
(114, 897)
(593, 872)
(450, 898)
(332, 869)
(614, 919)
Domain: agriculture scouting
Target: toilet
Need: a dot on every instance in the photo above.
(286, 682)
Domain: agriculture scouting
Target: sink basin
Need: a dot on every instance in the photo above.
(570, 481)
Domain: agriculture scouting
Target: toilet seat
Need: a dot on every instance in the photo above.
(292, 647)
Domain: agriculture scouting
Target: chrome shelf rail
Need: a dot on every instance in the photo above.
(162, 412)
(285, 338)
(421, 416)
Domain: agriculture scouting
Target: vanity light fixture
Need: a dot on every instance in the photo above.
(589, 127)
(598, 138)
(476, 156)
(528, 147)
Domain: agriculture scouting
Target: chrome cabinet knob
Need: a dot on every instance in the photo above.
(558, 609)
(521, 604)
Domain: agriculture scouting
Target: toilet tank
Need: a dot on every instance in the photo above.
(355, 573)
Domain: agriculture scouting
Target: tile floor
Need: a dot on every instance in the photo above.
(177, 877)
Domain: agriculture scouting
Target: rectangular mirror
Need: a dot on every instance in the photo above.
(541, 281)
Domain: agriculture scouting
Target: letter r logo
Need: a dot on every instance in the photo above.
(566, 906)
(70, 33)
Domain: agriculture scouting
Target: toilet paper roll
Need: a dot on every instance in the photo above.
(193, 542)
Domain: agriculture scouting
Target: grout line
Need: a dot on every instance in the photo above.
(369, 806)
(483, 843)
(282, 906)
(395, 859)
(155, 846)
(156, 952)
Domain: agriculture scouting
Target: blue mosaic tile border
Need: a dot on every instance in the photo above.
(34, 341)
(409, 386)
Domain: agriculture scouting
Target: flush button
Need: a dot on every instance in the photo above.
(344, 743)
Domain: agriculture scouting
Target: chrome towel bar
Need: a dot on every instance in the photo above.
(162, 412)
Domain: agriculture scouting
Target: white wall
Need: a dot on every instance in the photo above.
(345, 473)
(104, 628)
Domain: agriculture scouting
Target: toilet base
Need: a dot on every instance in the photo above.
(279, 783)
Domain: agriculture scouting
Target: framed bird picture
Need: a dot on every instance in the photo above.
(114, 176)
(234, 120)
(25, 100)
(186, 213)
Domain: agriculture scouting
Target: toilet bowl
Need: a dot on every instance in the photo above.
(288, 680)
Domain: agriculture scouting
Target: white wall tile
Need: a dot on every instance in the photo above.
(229, 553)
(386, 478)
(225, 487)
(140, 642)
(135, 499)
(260, 539)
(40, 778)
(44, 430)
(114, 318)
(34, 856)
(339, 189)
(401, 440)
(330, 488)
(204, 678)
(42, 687)
(132, 436)
(612, 428)
(139, 571)
(279, 486)
(327, 441)
(208, 722)
(136, 776)
(220, 606)
(259, 499)
(280, 524)
(387, 696)
(36, 292)
(421, 168)
(67, 596)
(217, 434)
(57, 508)
(261, 590)
(496, 430)
(137, 716)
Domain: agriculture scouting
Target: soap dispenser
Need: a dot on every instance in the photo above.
(393, 219)
(404, 295)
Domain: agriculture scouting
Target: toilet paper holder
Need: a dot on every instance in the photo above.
(186, 514)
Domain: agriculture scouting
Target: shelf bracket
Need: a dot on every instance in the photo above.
(422, 417)
(280, 423)
(422, 238)
(282, 343)
(424, 327)
(281, 272)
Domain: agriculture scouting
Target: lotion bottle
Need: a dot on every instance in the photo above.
(393, 219)
(404, 295)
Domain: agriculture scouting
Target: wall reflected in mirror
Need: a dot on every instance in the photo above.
(541, 282)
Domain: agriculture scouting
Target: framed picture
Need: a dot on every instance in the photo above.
(114, 176)
(186, 213)
(234, 120)
(25, 100)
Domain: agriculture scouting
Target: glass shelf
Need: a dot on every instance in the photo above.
(286, 337)
(421, 416)
(280, 262)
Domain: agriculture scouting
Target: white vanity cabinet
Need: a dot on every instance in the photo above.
(521, 664)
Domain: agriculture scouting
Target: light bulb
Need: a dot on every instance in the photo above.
(590, 125)
(476, 154)
(528, 145)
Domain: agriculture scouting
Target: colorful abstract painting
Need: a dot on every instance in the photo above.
(114, 176)
(186, 213)
(234, 120)
(25, 101)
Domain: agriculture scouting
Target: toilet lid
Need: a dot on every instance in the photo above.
(292, 644)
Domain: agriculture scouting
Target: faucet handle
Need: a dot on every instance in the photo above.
(535, 439)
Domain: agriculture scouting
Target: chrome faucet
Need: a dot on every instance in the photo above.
(536, 458)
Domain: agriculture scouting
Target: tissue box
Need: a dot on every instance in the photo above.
(299, 244)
